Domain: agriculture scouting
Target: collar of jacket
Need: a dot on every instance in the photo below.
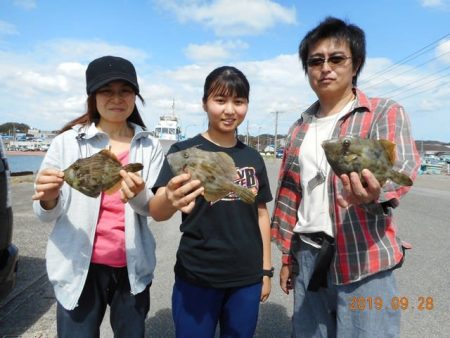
(89, 131)
(362, 104)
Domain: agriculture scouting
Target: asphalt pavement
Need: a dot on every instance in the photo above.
(424, 300)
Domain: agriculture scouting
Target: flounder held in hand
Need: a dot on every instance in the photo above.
(351, 153)
(97, 173)
(216, 171)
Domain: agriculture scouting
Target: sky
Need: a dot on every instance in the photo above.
(45, 47)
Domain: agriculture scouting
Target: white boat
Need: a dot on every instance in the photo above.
(433, 165)
(168, 130)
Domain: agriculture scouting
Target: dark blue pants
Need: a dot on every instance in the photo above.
(197, 310)
(105, 286)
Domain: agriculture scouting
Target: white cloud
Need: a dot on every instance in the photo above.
(434, 3)
(25, 4)
(276, 85)
(232, 18)
(45, 88)
(443, 51)
(87, 50)
(50, 80)
(7, 28)
(218, 51)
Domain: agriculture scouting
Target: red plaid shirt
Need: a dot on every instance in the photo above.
(365, 236)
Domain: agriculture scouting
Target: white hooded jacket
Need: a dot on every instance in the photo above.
(70, 244)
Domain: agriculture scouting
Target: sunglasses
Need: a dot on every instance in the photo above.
(333, 61)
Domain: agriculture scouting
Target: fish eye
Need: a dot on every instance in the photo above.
(185, 155)
(346, 143)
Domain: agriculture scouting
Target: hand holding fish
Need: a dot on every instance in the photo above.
(48, 183)
(215, 170)
(131, 185)
(181, 191)
(355, 193)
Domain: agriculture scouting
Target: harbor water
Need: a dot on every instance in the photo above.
(21, 163)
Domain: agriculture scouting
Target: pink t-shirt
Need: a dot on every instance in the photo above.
(109, 242)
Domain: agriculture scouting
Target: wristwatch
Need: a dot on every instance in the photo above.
(269, 273)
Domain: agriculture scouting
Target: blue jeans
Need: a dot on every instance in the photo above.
(105, 285)
(197, 310)
(335, 311)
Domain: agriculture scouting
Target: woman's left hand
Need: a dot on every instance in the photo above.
(354, 193)
(266, 288)
(132, 184)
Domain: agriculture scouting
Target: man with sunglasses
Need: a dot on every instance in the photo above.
(338, 238)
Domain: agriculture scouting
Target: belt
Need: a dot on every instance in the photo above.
(319, 277)
(318, 237)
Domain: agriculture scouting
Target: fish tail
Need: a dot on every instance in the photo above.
(245, 194)
(133, 167)
(400, 178)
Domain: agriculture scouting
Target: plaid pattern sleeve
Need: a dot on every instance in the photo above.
(289, 192)
(366, 236)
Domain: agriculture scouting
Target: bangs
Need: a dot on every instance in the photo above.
(229, 88)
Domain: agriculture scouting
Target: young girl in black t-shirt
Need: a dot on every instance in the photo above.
(223, 265)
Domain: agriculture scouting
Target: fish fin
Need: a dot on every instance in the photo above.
(133, 167)
(390, 150)
(210, 197)
(110, 154)
(245, 194)
(400, 178)
(114, 188)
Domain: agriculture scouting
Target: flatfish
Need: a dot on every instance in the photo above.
(216, 171)
(97, 173)
(353, 154)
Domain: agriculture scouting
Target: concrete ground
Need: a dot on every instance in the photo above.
(423, 219)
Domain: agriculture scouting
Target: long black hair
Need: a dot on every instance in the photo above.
(226, 81)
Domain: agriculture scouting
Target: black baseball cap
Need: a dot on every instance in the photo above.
(109, 68)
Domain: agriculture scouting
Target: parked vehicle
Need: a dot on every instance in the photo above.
(9, 254)
(279, 153)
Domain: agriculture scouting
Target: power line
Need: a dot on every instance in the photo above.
(406, 71)
(409, 57)
(420, 92)
(416, 84)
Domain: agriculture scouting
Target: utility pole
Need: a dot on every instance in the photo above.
(259, 132)
(276, 132)
(246, 135)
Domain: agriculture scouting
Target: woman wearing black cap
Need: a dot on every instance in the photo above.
(101, 251)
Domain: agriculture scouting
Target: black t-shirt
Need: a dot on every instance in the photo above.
(221, 245)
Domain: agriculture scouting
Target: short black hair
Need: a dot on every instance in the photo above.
(341, 31)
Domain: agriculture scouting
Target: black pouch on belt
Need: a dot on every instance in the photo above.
(319, 277)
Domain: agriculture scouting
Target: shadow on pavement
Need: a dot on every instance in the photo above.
(160, 325)
(31, 298)
(273, 322)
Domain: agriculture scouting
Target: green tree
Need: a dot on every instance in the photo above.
(11, 127)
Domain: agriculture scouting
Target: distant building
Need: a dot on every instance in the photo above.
(33, 140)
